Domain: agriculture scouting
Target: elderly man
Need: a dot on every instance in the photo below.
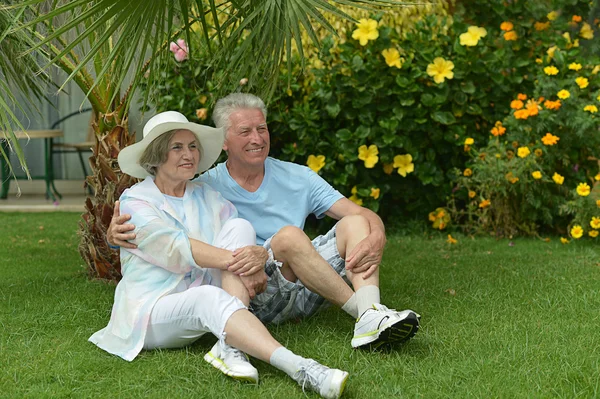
(301, 276)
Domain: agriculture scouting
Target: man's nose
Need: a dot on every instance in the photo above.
(255, 136)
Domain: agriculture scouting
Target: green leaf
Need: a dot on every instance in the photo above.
(443, 117)
(474, 109)
(468, 87)
(343, 134)
(333, 109)
(460, 98)
(363, 132)
(427, 100)
(402, 81)
(407, 102)
(357, 63)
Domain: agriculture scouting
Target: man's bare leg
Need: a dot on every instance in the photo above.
(293, 248)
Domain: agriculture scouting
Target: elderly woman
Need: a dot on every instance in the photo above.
(178, 283)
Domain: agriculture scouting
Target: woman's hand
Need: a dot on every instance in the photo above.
(248, 260)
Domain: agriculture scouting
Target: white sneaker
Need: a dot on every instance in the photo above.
(379, 325)
(329, 383)
(232, 362)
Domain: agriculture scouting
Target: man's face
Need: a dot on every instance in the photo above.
(247, 140)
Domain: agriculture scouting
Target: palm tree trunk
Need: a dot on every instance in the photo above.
(108, 183)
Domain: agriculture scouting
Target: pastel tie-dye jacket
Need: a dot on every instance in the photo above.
(162, 258)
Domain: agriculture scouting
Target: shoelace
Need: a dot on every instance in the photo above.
(227, 349)
(303, 376)
(236, 353)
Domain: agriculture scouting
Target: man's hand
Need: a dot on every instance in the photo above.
(248, 260)
(255, 283)
(118, 232)
(366, 255)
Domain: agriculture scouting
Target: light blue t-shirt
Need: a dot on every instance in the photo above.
(288, 194)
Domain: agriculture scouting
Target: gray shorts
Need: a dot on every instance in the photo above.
(284, 300)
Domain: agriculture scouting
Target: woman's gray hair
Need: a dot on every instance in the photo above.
(233, 102)
(157, 152)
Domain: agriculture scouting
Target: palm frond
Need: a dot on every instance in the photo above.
(20, 74)
(249, 38)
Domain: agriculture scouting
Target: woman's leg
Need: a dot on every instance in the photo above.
(236, 233)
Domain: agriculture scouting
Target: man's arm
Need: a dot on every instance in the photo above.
(366, 255)
(119, 232)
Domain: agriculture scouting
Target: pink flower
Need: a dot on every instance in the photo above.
(180, 50)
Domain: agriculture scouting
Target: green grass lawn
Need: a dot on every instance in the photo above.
(498, 321)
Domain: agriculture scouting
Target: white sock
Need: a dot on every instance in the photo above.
(350, 307)
(286, 360)
(366, 296)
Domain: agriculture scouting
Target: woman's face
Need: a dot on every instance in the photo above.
(182, 158)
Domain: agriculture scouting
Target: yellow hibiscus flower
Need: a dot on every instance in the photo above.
(551, 70)
(392, 58)
(316, 163)
(440, 70)
(469, 141)
(591, 108)
(472, 35)
(354, 198)
(537, 175)
(563, 94)
(366, 30)
(593, 233)
(583, 189)
(552, 15)
(404, 164)
(595, 223)
(369, 155)
(575, 66)
(586, 31)
(375, 192)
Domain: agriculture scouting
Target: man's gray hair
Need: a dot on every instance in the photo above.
(233, 102)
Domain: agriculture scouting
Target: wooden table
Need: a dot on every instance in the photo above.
(47, 136)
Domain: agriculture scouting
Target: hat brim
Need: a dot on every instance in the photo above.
(211, 142)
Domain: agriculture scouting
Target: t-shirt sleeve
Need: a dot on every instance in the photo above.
(322, 195)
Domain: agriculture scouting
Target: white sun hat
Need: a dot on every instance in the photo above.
(210, 140)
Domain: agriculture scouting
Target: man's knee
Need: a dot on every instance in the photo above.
(289, 239)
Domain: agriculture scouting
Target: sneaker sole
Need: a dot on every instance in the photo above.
(395, 333)
(335, 394)
(219, 365)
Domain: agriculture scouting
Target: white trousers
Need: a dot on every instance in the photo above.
(180, 318)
